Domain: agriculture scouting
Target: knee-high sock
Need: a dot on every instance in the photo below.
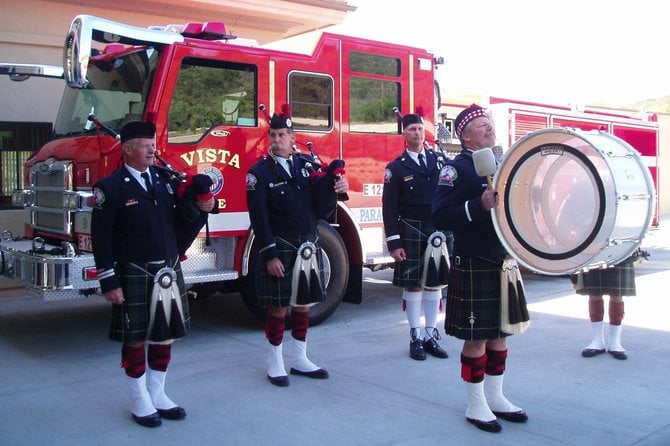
(431, 309)
(158, 356)
(299, 324)
(413, 308)
(596, 314)
(616, 313)
(495, 369)
(472, 372)
(133, 360)
(274, 329)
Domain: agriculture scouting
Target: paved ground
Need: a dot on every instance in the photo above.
(62, 385)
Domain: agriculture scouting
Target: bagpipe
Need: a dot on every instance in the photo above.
(190, 189)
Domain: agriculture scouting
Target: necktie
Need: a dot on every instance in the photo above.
(422, 163)
(149, 186)
(289, 164)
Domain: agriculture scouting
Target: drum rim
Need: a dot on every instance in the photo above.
(601, 211)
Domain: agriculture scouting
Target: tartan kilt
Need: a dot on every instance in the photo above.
(131, 318)
(473, 300)
(414, 235)
(618, 280)
(275, 292)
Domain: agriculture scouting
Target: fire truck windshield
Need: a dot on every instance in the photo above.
(116, 92)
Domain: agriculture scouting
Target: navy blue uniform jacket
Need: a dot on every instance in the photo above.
(408, 193)
(457, 206)
(127, 226)
(284, 206)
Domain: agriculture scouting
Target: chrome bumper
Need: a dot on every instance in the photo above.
(50, 276)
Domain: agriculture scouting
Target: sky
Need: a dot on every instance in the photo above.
(584, 52)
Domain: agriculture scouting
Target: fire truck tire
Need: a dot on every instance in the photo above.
(336, 265)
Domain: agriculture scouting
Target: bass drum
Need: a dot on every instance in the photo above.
(571, 201)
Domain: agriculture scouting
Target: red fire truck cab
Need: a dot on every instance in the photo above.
(209, 95)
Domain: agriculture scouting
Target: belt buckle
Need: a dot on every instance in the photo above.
(457, 260)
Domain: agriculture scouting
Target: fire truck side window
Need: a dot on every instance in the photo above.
(373, 92)
(210, 93)
(311, 100)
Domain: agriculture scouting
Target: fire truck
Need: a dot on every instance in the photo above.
(209, 94)
(513, 119)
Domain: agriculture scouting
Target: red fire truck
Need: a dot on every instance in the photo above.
(514, 119)
(209, 94)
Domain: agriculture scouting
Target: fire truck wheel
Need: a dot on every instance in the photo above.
(336, 268)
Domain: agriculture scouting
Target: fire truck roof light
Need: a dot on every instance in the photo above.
(207, 31)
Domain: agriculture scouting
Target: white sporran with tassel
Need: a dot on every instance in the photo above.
(514, 318)
(435, 262)
(306, 287)
(166, 313)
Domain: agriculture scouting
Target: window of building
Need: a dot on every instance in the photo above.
(18, 140)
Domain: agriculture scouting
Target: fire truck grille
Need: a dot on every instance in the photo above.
(48, 199)
(48, 181)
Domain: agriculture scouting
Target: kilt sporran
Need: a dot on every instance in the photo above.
(435, 262)
(514, 318)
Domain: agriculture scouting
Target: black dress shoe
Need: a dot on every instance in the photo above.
(618, 354)
(316, 374)
(432, 347)
(281, 381)
(153, 420)
(416, 350)
(488, 426)
(175, 413)
(591, 352)
(514, 417)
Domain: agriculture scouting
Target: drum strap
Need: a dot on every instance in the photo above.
(514, 318)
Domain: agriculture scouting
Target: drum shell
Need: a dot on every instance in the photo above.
(570, 201)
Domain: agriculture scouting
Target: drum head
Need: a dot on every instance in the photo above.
(558, 202)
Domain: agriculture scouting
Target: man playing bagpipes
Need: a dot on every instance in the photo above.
(139, 232)
(286, 197)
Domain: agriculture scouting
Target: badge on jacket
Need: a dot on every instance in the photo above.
(448, 175)
(251, 181)
(98, 198)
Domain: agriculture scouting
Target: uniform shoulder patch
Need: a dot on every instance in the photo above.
(448, 175)
(251, 181)
(387, 175)
(98, 198)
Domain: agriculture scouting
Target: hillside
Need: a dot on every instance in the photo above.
(658, 105)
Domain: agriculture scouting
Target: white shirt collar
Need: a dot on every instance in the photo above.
(138, 175)
(415, 155)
